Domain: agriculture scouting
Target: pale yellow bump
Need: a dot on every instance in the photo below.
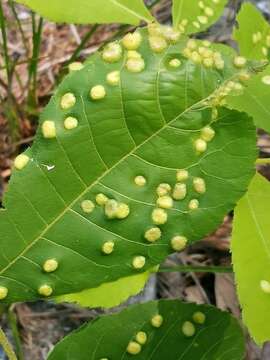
(193, 204)
(206, 43)
(132, 41)
(207, 133)
(264, 51)
(48, 129)
(188, 329)
(209, 11)
(135, 65)
(179, 191)
(199, 185)
(208, 63)
(112, 52)
(101, 199)
(178, 243)
(67, 101)
(182, 175)
(157, 43)
(132, 54)
(175, 63)
(214, 113)
(159, 216)
(267, 42)
(216, 1)
(163, 189)
(199, 317)
(196, 57)
(265, 286)
(75, 66)
(244, 76)
(141, 337)
(196, 24)
(45, 290)
(219, 64)
(154, 29)
(165, 202)
(266, 79)
(138, 262)
(153, 234)
(98, 92)
(122, 211)
(134, 348)
(113, 78)
(200, 145)
(187, 52)
(140, 180)
(50, 265)
(239, 61)
(157, 321)
(201, 5)
(87, 206)
(70, 123)
(21, 161)
(111, 208)
(202, 19)
(184, 22)
(170, 34)
(3, 292)
(108, 247)
(191, 44)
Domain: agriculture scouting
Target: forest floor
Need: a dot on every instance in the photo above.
(42, 324)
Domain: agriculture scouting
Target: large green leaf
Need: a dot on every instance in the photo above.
(217, 335)
(252, 33)
(251, 257)
(148, 125)
(91, 11)
(255, 99)
(199, 14)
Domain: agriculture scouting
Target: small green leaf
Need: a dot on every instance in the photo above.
(182, 331)
(251, 257)
(255, 99)
(252, 33)
(91, 11)
(199, 14)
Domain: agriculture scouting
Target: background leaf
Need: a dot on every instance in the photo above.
(244, 33)
(146, 125)
(255, 99)
(91, 12)
(199, 19)
(219, 337)
(251, 256)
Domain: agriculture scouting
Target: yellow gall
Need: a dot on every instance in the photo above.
(153, 234)
(112, 52)
(203, 19)
(209, 11)
(196, 57)
(70, 123)
(132, 41)
(196, 24)
(207, 133)
(141, 337)
(157, 43)
(45, 290)
(122, 211)
(193, 204)
(206, 43)
(135, 65)
(159, 216)
(140, 180)
(132, 54)
(188, 329)
(101, 199)
(200, 145)
(175, 63)
(244, 76)
(266, 79)
(113, 78)
(111, 208)
(3, 292)
(191, 44)
(208, 62)
(108, 247)
(170, 34)
(48, 129)
(199, 317)
(138, 262)
(154, 29)
(264, 51)
(179, 191)
(178, 243)
(98, 92)
(199, 185)
(75, 66)
(21, 161)
(265, 286)
(157, 321)
(182, 175)
(67, 101)
(201, 5)
(239, 61)
(219, 64)
(134, 348)
(50, 265)
(165, 202)
(163, 189)
(87, 206)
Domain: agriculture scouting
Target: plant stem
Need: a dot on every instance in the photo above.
(4, 37)
(13, 9)
(263, 161)
(12, 319)
(191, 268)
(7, 346)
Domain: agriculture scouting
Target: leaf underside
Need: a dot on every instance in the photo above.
(251, 256)
(145, 126)
(219, 338)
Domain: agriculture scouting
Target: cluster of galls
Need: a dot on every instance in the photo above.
(206, 12)
(264, 41)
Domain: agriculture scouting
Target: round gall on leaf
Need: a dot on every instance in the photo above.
(112, 52)
(141, 337)
(159, 216)
(132, 54)
(193, 204)
(70, 123)
(181, 175)
(67, 101)
(171, 35)
(152, 234)
(157, 321)
(3, 292)
(122, 211)
(113, 78)
(101, 199)
(157, 43)
(135, 65)
(50, 265)
(163, 189)
(179, 191)
(191, 44)
(200, 145)
(75, 66)
(199, 317)
(207, 133)
(21, 161)
(140, 180)
(98, 92)
(188, 329)
(175, 63)
(108, 247)
(48, 129)
(266, 79)
(138, 262)
(178, 243)
(132, 41)
(45, 290)
(111, 208)
(203, 19)
(165, 202)
(265, 286)
(134, 348)
(209, 11)
(87, 206)
(199, 185)
(239, 61)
